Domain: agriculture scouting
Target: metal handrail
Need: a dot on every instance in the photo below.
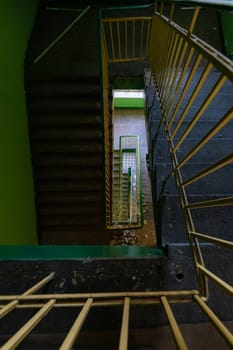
(106, 122)
(126, 39)
(179, 54)
(45, 303)
(60, 36)
(130, 170)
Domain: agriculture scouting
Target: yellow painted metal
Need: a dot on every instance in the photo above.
(214, 240)
(13, 304)
(184, 91)
(226, 286)
(76, 327)
(169, 84)
(218, 126)
(172, 10)
(8, 308)
(112, 295)
(215, 320)
(107, 126)
(195, 93)
(194, 20)
(108, 303)
(178, 337)
(221, 81)
(181, 79)
(19, 336)
(220, 202)
(112, 41)
(127, 37)
(54, 42)
(118, 39)
(161, 7)
(123, 344)
(214, 167)
(170, 70)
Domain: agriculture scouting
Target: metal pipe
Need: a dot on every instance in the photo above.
(61, 35)
(59, 296)
(215, 320)
(19, 336)
(216, 166)
(226, 286)
(178, 337)
(211, 239)
(13, 304)
(76, 327)
(220, 202)
(123, 344)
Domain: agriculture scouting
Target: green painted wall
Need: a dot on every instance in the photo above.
(227, 28)
(17, 208)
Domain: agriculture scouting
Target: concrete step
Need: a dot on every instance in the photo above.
(56, 86)
(213, 221)
(68, 159)
(72, 219)
(69, 185)
(198, 132)
(65, 103)
(72, 197)
(65, 133)
(66, 147)
(219, 182)
(59, 119)
(213, 151)
(87, 172)
(65, 209)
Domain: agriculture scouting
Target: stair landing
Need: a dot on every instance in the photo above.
(132, 122)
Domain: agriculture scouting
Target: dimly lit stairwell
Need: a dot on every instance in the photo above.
(64, 107)
(170, 219)
(215, 221)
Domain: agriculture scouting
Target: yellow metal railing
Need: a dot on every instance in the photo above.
(126, 39)
(106, 130)
(181, 63)
(43, 304)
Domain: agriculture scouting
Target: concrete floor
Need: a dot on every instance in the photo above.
(132, 122)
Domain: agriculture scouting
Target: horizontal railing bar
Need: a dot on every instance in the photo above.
(19, 336)
(220, 202)
(214, 240)
(76, 327)
(109, 303)
(227, 287)
(178, 337)
(215, 320)
(132, 59)
(178, 293)
(212, 168)
(128, 19)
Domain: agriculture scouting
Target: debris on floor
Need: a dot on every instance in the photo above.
(124, 237)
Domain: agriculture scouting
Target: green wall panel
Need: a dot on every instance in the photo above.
(227, 28)
(128, 102)
(17, 208)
